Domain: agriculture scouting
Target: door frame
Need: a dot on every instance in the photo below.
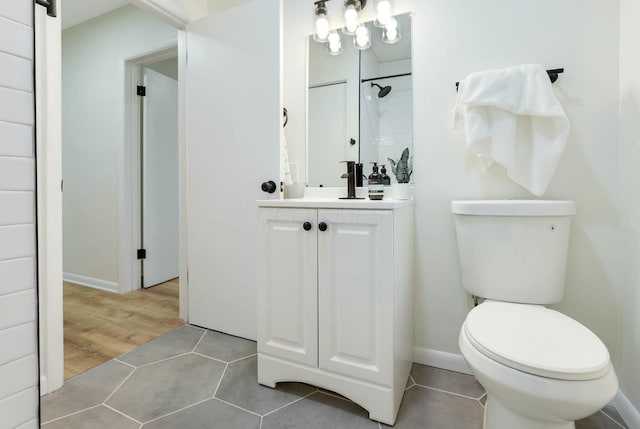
(49, 207)
(130, 202)
(131, 191)
(48, 101)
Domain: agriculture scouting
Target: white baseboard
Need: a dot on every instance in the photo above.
(455, 362)
(627, 411)
(439, 359)
(79, 279)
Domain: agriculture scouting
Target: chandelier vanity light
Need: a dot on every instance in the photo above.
(323, 33)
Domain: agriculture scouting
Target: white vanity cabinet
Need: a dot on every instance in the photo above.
(335, 299)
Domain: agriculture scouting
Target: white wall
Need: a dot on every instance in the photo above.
(498, 36)
(168, 67)
(452, 39)
(630, 192)
(18, 359)
(93, 105)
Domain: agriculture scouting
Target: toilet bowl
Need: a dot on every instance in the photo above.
(541, 369)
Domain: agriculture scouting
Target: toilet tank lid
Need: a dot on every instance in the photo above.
(514, 207)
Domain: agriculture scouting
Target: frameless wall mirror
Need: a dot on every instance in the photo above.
(360, 105)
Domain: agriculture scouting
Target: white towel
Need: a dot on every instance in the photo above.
(512, 117)
(285, 167)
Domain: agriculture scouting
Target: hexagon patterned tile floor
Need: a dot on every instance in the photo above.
(192, 378)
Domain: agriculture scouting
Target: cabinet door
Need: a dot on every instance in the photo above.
(287, 284)
(355, 294)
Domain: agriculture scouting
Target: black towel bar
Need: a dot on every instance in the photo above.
(553, 75)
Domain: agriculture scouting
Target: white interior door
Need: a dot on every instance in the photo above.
(160, 178)
(233, 132)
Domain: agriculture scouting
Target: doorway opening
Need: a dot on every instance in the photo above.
(120, 156)
(152, 88)
(100, 325)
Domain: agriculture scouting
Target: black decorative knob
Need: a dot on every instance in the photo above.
(322, 226)
(306, 226)
(269, 186)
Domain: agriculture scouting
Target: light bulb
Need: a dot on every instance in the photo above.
(322, 28)
(362, 39)
(383, 13)
(334, 47)
(391, 24)
(392, 34)
(384, 6)
(351, 20)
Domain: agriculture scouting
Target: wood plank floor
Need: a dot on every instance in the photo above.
(100, 325)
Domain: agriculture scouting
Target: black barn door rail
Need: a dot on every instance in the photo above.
(50, 5)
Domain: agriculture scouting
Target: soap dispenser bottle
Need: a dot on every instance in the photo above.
(376, 186)
(386, 180)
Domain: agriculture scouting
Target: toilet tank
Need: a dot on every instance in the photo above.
(514, 250)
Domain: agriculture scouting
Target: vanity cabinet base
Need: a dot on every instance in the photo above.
(335, 301)
(381, 402)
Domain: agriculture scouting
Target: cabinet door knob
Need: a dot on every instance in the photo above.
(269, 186)
(322, 226)
(306, 226)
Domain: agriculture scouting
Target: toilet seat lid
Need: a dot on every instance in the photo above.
(536, 340)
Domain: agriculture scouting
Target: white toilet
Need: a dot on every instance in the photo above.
(540, 368)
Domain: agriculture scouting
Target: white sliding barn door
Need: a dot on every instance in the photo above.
(18, 359)
(233, 131)
(160, 178)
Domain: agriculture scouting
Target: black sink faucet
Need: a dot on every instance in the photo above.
(353, 171)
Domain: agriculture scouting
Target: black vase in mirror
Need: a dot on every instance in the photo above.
(376, 185)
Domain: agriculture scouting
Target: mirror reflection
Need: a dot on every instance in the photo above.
(360, 105)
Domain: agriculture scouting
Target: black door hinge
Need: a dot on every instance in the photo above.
(141, 90)
(50, 5)
(142, 253)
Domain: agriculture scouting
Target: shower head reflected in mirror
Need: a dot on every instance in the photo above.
(384, 91)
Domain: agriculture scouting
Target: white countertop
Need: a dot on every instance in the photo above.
(335, 203)
(329, 198)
